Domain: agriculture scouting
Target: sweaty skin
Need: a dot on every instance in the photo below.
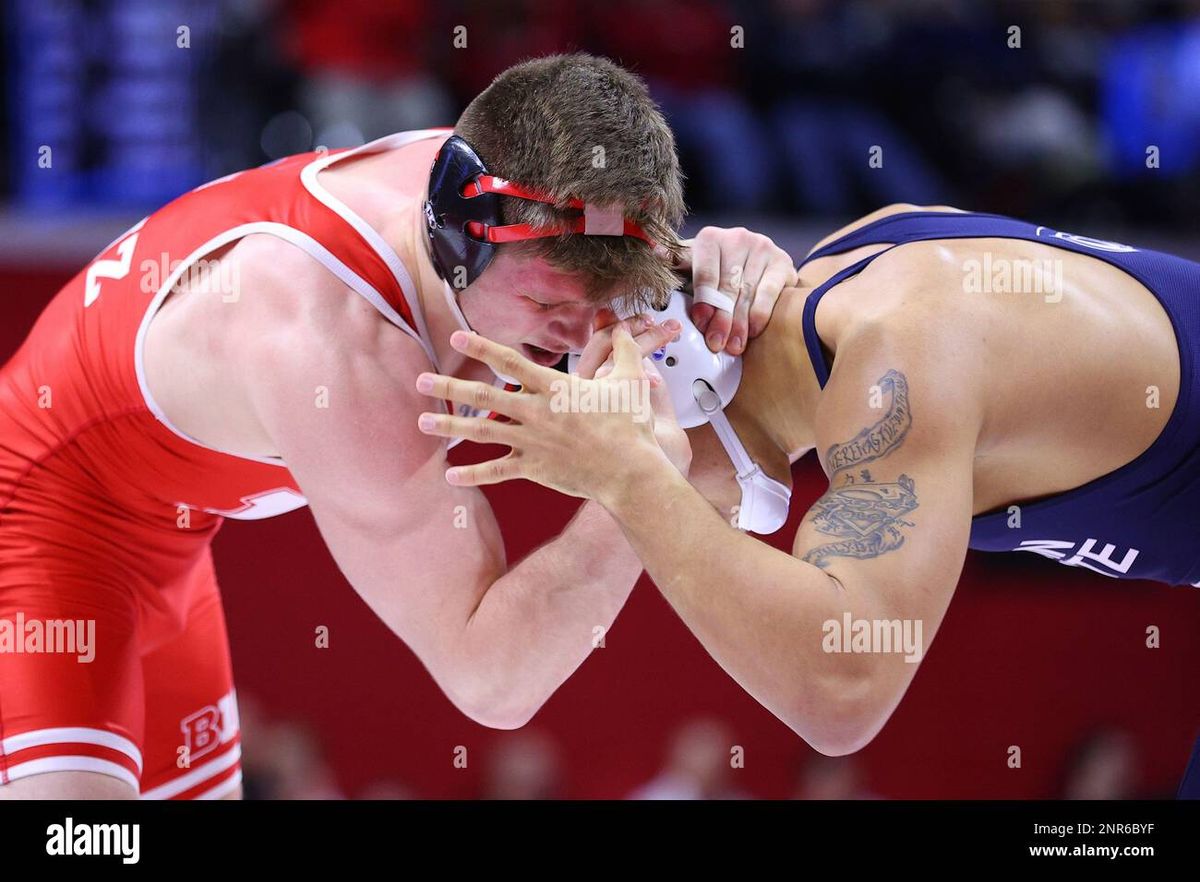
(941, 405)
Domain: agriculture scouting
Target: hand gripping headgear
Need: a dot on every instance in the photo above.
(701, 384)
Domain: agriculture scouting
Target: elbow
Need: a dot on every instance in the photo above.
(499, 716)
(494, 704)
(844, 718)
(842, 743)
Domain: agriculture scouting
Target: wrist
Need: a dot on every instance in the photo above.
(647, 476)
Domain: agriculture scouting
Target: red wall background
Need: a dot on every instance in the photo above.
(1031, 653)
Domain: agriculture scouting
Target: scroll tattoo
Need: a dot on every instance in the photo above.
(866, 515)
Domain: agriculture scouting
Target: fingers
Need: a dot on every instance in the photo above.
(660, 394)
(627, 355)
(599, 346)
(702, 314)
(595, 360)
(779, 274)
(595, 353)
(748, 292)
(718, 265)
(504, 361)
(738, 276)
(705, 254)
(681, 261)
(478, 429)
(657, 336)
(494, 471)
(480, 396)
(650, 369)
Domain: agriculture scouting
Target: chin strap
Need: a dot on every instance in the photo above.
(765, 501)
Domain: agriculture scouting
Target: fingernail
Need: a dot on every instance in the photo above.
(451, 476)
(425, 383)
(735, 344)
(425, 422)
(715, 341)
(672, 325)
(458, 339)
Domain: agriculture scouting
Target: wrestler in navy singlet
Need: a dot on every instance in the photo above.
(1141, 521)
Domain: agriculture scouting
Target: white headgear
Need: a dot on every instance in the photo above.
(701, 384)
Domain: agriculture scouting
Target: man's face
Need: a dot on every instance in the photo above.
(525, 303)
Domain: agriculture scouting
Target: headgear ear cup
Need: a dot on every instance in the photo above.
(701, 384)
(699, 381)
(448, 213)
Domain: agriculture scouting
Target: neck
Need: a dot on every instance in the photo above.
(777, 399)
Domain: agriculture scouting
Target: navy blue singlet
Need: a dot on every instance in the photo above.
(1141, 521)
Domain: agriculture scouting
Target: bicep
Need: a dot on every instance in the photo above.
(896, 433)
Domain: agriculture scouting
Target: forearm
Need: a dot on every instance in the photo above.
(757, 610)
(536, 624)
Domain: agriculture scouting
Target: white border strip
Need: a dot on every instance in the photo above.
(223, 789)
(72, 735)
(197, 775)
(302, 241)
(72, 764)
(308, 177)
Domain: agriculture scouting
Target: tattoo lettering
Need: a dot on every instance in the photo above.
(879, 439)
(865, 515)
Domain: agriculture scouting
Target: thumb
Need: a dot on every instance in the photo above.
(627, 355)
(660, 394)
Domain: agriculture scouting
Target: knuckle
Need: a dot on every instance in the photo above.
(510, 362)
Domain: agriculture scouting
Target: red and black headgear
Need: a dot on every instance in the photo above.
(463, 214)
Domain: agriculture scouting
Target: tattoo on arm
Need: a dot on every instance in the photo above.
(866, 515)
(880, 439)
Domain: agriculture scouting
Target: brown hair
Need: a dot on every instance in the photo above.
(581, 126)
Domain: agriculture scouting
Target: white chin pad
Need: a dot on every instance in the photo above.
(714, 298)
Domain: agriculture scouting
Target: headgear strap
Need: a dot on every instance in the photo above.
(462, 214)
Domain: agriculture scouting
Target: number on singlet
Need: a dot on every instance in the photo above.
(1088, 241)
(110, 268)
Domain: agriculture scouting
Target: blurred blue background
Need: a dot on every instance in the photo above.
(140, 100)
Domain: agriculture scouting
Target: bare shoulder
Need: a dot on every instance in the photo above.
(886, 211)
(917, 286)
(305, 329)
(301, 310)
(908, 312)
